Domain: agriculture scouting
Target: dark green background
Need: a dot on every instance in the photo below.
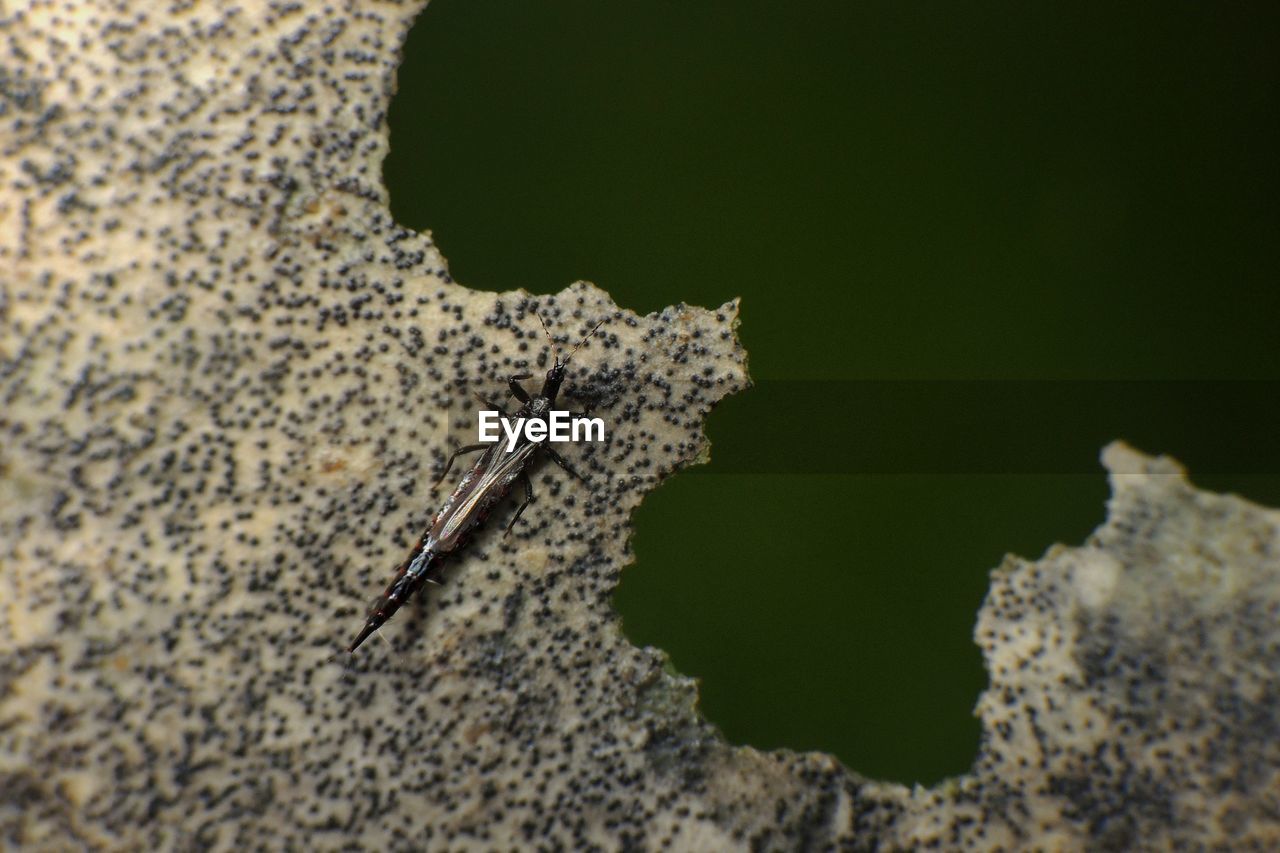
(897, 191)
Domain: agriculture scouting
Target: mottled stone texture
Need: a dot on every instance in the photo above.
(1135, 680)
(226, 377)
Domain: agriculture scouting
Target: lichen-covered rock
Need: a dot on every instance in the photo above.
(228, 380)
(1135, 681)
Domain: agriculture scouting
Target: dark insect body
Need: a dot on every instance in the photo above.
(481, 489)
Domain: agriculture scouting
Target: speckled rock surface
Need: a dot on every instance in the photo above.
(225, 374)
(1135, 681)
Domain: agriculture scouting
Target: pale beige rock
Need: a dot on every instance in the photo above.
(223, 371)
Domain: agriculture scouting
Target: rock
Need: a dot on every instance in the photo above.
(229, 380)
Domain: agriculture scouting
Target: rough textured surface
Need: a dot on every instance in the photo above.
(1135, 681)
(223, 371)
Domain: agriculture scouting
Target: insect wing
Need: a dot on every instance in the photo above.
(487, 488)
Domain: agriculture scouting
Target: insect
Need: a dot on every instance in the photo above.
(480, 490)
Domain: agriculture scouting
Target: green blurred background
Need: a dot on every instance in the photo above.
(1024, 199)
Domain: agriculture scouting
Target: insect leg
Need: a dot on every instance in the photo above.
(485, 401)
(517, 390)
(559, 460)
(528, 499)
(470, 448)
(590, 405)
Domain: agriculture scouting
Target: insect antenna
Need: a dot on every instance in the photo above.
(587, 337)
(552, 340)
(545, 330)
